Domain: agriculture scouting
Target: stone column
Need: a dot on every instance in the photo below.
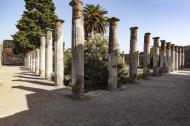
(176, 57)
(112, 54)
(37, 61)
(59, 54)
(33, 61)
(42, 55)
(146, 56)
(179, 57)
(133, 55)
(163, 55)
(77, 49)
(156, 56)
(49, 54)
(168, 57)
(182, 57)
(172, 57)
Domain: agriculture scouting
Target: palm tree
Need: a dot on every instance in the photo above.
(95, 19)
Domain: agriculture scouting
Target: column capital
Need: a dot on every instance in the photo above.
(133, 28)
(113, 21)
(75, 2)
(168, 45)
(156, 38)
(59, 20)
(148, 33)
(49, 29)
(163, 41)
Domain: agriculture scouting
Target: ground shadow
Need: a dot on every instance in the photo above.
(36, 82)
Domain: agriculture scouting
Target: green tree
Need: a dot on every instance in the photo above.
(39, 14)
(95, 62)
(95, 19)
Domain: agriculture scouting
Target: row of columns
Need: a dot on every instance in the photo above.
(166, 58)
(41, 59)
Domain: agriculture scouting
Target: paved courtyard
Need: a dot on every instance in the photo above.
(28, 100)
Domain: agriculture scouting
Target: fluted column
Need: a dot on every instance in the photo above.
(37, 61)
(59, 54)
(77, 49)
(168, 57)
(112, 54)
(179, 57)
(146, 56)
(176, 57)
(42, 55)
(133, 55)
(172, 57)
(163, 55)
(49, 54)
(156, 56)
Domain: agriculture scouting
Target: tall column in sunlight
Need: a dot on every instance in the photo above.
(172, 57)
(133, 55)
(77, 49)
(59, 54)
(37, 61)
(42, 55)
(31, 60)
(176, 57)
(112, 53)
(156, 56)
(49, 54)
(146, 56)
(168, 57)
(179, 57)
(163, 55)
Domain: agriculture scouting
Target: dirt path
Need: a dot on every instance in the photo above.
(27, 100)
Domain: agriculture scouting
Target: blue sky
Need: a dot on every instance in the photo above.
(168, 19)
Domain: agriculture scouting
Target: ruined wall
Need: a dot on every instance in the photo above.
(9, 58)
(1, 51)
(187, 56)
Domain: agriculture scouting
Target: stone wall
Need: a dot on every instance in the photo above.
(9, 58)
(187, 56)
(1, 49)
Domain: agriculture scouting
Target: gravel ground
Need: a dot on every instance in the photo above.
(27, 100)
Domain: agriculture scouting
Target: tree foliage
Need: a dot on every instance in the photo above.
(38, 15)
(95, 19)
(95, 64)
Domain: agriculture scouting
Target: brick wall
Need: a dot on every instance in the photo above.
(9, 58)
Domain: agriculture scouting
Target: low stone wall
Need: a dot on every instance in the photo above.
(9, 58)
